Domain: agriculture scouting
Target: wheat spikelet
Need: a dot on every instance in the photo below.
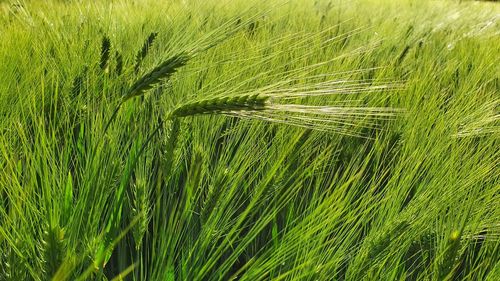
(52, 248)
(162, 72)
(78, 83)
(142, 53)
(376, 244)
(382, 242)
(262, 106)
(12, 263)
(140, 209)
(105, 49)
(119, 63)
(221, 105)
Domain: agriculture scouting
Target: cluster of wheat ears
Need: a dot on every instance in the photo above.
(327, 152)
(270, 103)
(262, 103)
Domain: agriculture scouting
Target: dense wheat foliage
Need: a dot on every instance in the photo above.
(249, 140)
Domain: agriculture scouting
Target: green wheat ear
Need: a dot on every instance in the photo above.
(220, 105)
(119, 63)
(162, 72)
(53, 250)
(382, 242)
(373, 246)
(140, 209)
(142, 53)
(105, 50)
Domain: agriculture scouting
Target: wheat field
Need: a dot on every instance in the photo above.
(249, 140)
